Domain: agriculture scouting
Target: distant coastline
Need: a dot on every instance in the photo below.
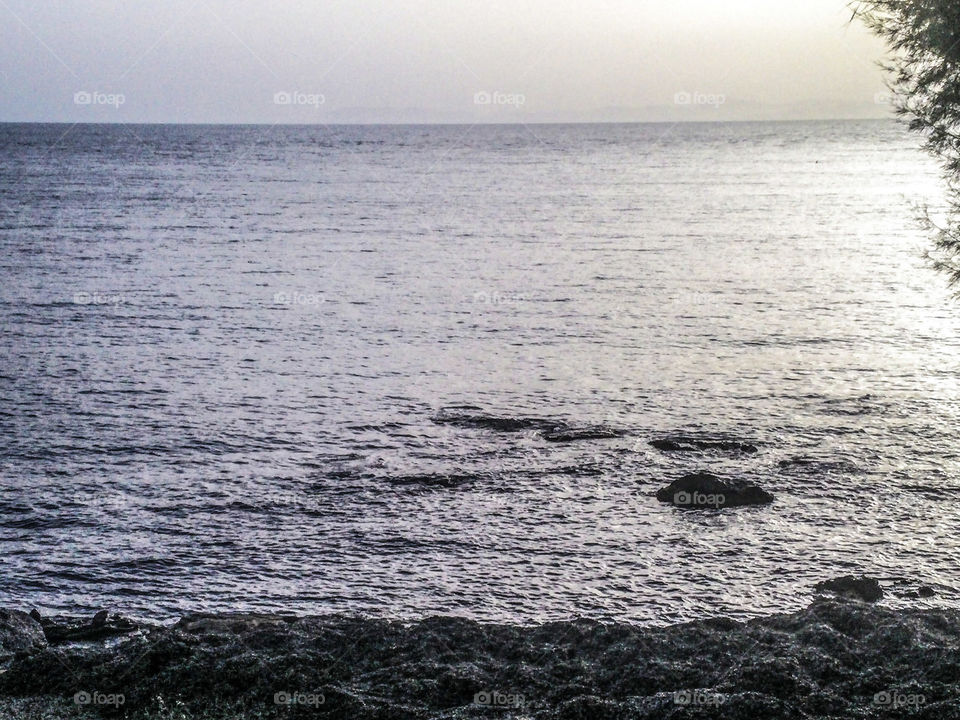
(853, 118)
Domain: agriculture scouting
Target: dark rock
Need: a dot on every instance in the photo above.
(19, 633)
(232, 623)
(829, 660)
(565, 433)
(703, 491)
(915, 593)
(481, 421)
(811, 466)
(552, 430)
(436, 481)
(590, 707)
(103, 625)
(857, 588)
(686, 443)
(35, 614)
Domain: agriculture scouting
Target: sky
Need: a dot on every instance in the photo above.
(325, 61)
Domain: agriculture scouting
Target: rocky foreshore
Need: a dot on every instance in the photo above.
(838, 658)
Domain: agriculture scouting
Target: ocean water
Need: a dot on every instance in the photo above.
(294, 368)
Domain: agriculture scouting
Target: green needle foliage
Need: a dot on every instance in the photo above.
(924, 39)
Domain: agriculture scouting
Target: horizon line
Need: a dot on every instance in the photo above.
(454, 124)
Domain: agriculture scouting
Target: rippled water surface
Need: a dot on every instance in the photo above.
(317, 369)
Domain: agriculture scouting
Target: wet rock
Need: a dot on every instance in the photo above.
(922, 592)
(811, 466)
(703, 491)
(102, 625)
(566, 433)
(230, 623)
(858, 588)
(19, 633)
(466, 418)
(687, 443)
(550, 429)
(434, 481)
(829, 660)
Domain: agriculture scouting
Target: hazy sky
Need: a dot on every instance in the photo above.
(427, 60)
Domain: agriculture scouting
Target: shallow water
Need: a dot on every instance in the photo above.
(226, 351)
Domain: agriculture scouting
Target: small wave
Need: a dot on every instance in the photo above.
(44, 523)
(854, 406)
(375, 428)
(934, 493)
(147, 563)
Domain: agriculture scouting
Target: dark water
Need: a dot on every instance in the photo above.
(225, 351)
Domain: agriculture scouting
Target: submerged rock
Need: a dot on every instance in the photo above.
(19, 633)
(912, 589)
(859, 588)
(550, 429)
(466, 417)
(433, 481)
(687, 443)
(703, 491)
(812, 466)
(566, 433)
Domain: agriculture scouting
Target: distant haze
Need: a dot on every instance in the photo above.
(429, 61)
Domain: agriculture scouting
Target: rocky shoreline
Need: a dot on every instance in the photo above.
(838, 658)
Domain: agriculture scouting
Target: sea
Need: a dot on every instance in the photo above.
(401, 371)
